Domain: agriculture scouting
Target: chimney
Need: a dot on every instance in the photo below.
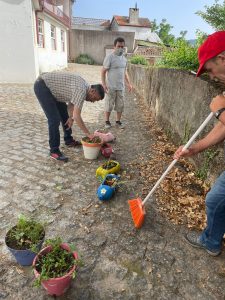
(134, 15)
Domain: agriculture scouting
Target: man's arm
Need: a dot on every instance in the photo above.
(70, 107)
(103, 76)
(217, 103)
(214, 137)
(127, 79)
(69, 122)
(78, 119)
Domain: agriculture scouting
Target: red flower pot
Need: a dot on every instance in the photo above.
(55, 286)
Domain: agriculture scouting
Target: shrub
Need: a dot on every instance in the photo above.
(138, 60)
(85, 59)
(181, 55)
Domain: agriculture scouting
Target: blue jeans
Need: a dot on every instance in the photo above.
(55, 112)
(212, 236)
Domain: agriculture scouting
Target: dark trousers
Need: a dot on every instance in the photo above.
(55, 112)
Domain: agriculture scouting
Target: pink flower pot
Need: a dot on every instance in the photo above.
(55, 286)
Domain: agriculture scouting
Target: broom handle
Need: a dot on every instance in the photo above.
(175, 160)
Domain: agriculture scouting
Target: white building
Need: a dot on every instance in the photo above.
(141, 26)
(33, 38)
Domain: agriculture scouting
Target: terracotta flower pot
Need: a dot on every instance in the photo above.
(56, 286)
(91, 149)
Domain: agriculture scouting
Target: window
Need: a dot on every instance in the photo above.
(63, 40)
(53, 37)
(40, 33)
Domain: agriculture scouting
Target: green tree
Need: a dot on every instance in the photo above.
(163, 31)
(182, 55)
(214, 15)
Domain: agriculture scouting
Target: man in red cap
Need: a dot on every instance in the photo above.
(211, 56)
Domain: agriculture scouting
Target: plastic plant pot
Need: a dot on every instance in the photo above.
(109, 167)
(91, 149)
(108, 187)
(24, 257)
(56, 286)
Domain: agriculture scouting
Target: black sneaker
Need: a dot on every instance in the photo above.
(194, 240)
(58, 156)
(119, 124)
(107, 124)
(73, 144)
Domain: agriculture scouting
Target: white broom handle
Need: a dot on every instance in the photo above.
(175, 160)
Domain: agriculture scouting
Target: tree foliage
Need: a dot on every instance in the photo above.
(214, 15)
(163, 30)
(182, 55)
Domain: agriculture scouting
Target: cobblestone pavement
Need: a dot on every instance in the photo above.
(119, 261)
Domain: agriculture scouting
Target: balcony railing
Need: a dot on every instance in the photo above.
(50, 7)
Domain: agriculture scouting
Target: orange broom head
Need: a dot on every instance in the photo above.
(137, 212)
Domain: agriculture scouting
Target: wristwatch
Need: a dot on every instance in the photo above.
(219, 112)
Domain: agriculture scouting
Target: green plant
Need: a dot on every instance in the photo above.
(138, 60)
(85, 59)
(94, 140)
(181, 55)
(56, 263)
(202, 172)
(26, 234)
(187, 134)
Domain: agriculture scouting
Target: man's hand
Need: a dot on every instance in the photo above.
(186, 153)
(130, 88)
(69, 123)
(91, 136)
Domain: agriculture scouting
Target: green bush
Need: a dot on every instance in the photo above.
(181, 55)
(85, 59)
(138, 60)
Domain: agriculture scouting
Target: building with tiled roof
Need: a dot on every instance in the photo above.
(90, 23)
(133, 23)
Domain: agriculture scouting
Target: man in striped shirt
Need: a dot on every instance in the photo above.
(61, 96)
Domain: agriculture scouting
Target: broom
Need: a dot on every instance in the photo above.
(137, 208)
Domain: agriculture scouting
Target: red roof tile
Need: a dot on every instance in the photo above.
(124, 21)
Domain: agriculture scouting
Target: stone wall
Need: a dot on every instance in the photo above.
(179, 101)
(95, 43)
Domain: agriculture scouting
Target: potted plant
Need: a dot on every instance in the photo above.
(91, 147)
(25, 239)
(55, 266)
(108, 187)
(109, 167)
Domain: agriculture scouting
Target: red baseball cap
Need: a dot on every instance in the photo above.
(212, 46)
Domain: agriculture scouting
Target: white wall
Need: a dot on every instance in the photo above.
(17, 57)
(49, 59)
(138, 30)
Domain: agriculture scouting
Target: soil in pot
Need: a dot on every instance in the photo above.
(25, 235)
(94, 140)
(109, 165)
